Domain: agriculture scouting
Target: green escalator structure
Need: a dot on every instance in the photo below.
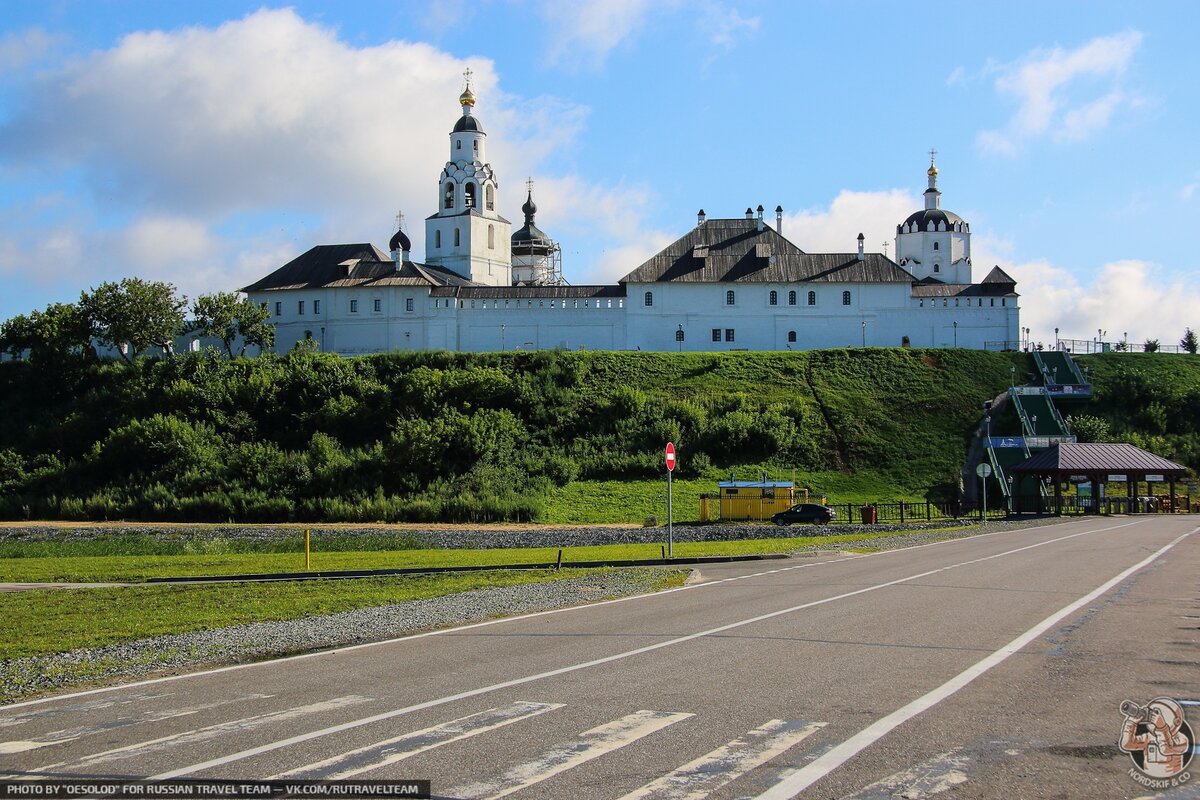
(1061, 375)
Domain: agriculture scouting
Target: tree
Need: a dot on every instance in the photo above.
(230, 318)
(1087, 428)
(134, 315)
(1188, 342)
(1151, 346)
(59, 333)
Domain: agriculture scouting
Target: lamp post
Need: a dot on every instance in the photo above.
(502, 337)
(1012, 376)
(956, 333)
(864, 333)
(1010, 491)
(679, 337)
(1056, 347)
(1033, 423)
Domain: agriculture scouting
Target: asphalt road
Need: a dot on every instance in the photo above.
(992, 666)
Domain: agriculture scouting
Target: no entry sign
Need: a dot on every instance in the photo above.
(670, 456)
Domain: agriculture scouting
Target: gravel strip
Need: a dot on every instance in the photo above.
(23, 677)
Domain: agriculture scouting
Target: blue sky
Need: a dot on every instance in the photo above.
(209, 143)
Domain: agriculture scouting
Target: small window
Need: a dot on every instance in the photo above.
(491, 237)
(378, 305)
(458, 145)
(457, 237)
(935, 245)
(729, 334)
(649, 299)
(679, 334)
(774, 298)
(791, 336)
(937, 267)
(475, 146)
(729, 297)
(845, 298)
(792, 298)
(316, 306)
(408, 304)
(278, 309)
(993, 302)
(437, 239)
(716, 334)
(449, 202)
(812, 298)
(300, 308)
(353, 306)
(491, 197)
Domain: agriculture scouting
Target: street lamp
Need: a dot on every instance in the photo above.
(1012, 376)
(864, 333)
(679, 337)
(1056, 347)
(1010, 491)
(502, 337)
(956, 333)
(1033, 423)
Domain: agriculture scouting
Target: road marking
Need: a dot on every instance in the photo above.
(345, 726)
(697, 779)
(590, 745)
(806, 776)
(933, 776)
(71, 734)
(211, 732)
(92, 705)
(380, 754)
(460, 628)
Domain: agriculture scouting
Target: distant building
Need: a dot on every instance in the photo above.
(728, 284)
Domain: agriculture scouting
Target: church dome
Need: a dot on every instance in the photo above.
(928, 219)
(467, 123)
(467, 98)
(399, 242)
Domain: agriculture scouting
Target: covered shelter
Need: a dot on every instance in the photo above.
(1101, 464)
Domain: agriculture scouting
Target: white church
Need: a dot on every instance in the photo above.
(727, 284)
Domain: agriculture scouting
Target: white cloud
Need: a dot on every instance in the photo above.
(18, 50)
(1056, 91)
(726, 26)
(835, 230)
(214, 155)
(584, 33)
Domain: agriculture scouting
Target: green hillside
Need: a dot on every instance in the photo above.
(547, 436)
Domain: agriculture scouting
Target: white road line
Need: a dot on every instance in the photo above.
(211, 732)
(266, 748)
(71, 734)
(380, 754)
(934, 776)
(460, 628)
(806, 776)
(697, 779)
(92, 705)
(590, 745)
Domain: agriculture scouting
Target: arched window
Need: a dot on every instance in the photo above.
(729, 297)
(491, 197)
(491, 237)
(774, 298)
(791, 336)
(475, 145)
(845, 298)
(792, 298)
(935, 245)
(937, 267)
(458, 145)
(470, 198)
(437, 239)
(457, 238)
(649, 298)
(812, 298)
(449, 195)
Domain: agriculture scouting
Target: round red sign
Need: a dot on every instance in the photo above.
(670, 456)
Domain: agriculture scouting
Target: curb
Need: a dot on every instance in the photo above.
(373, 573)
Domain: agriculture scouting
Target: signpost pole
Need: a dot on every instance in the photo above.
(670, 458)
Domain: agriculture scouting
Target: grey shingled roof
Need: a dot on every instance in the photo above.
(350, 265)
(734, 250)
(528, 292)
(1098, 457)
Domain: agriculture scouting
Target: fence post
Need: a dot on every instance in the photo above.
(901, 512)
(928, 511)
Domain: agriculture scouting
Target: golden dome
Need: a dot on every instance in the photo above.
(932, 171)
(467, 98)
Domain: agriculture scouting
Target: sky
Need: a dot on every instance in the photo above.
(207, 144)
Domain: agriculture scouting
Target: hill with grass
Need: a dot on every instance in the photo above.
(548, 436)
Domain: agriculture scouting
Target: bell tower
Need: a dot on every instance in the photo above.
(467, 235)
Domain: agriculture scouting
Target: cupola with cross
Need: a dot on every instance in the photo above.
(467, 235)
(934, 243)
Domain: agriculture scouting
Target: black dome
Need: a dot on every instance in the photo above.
(467, 123)
(400, 242)
(929, 218)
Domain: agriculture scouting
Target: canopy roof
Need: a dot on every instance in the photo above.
(1074, 458)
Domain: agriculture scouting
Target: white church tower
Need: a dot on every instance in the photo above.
(466, 235)
(935, 243)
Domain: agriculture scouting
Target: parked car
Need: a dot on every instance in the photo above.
(815, 513)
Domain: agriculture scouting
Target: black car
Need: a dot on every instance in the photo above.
(805, 512)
